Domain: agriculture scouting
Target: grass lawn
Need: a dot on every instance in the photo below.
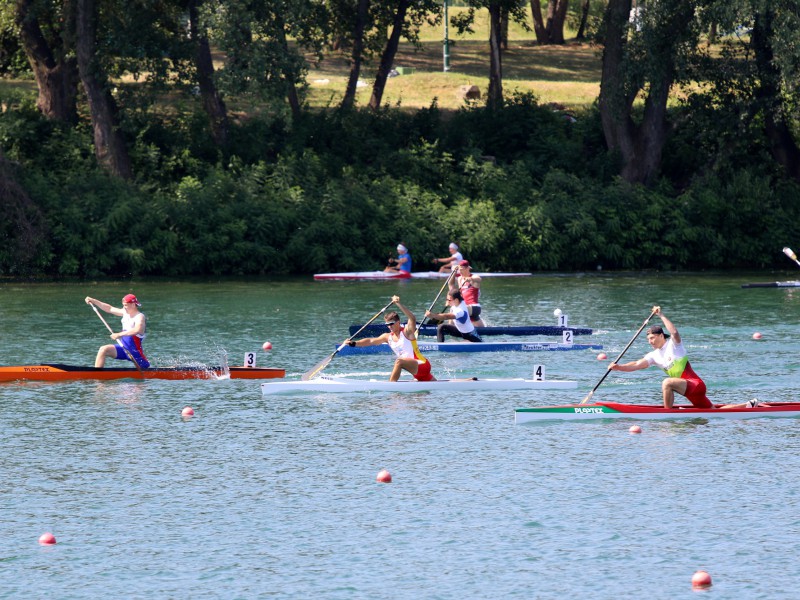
(567, 75)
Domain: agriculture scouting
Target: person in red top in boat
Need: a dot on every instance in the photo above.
(403, 342)
(134, 324)
(669, 354)
(469, 284)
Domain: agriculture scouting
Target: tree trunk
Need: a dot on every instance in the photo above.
(538, 23)
(640, 146)
(494, 99)
(212, 100)
(289, 78)
(504, 28)
(769, 94)
(387, 58)
(55, 70)
(358, 51)
(584, 19)
(551, 30)
(556, 15)
(109, 145)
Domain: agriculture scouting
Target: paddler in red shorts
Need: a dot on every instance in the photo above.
(403, 342)
(669, 354)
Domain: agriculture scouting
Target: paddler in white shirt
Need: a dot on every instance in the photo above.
(451, 262)
(670, 355)
(458, 312)
(134, 324)
(403, 342)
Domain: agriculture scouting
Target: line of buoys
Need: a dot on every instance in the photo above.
(384, 476)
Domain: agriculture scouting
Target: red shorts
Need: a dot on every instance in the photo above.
(423, 372)
(696, 393)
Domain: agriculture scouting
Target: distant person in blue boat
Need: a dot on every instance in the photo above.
(469, 284)
(669, 354)
(402, 262)
(134, 325)
(451, 262)
(459, 314)
(403, 342)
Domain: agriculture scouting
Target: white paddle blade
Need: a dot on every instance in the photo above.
(788, 252)
(317, 368)
(321, 364)
(588, 397)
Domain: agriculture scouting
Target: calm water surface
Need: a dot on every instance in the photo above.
(276, 496)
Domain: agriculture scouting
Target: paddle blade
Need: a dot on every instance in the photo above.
(317, 368)
(588, 397)
(788, 252)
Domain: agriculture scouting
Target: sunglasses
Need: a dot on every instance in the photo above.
(390, 323)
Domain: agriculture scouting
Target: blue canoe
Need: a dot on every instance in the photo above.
(376, 329)
(426, 347)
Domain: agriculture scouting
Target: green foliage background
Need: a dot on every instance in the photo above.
(519, 189)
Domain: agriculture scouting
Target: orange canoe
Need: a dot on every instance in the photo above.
(54, 372)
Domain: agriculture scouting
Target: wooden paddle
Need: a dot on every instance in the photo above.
(121, 345)
(624, 350)
(325, 361)
(788, 252)
(435, 300)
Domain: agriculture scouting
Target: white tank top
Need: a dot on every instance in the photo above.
(129, 322)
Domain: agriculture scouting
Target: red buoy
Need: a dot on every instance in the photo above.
(267, 346)
(701, 579)
(384, 476)
(635, 429)
(757, 336)
(188, 411)
(47, 539)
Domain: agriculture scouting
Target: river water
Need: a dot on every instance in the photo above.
(276, 496)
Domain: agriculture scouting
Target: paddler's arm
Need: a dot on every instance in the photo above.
(439, 316)
(103, 306)
(673, 331)
(411, 325)
(374, 341)
(634, 365)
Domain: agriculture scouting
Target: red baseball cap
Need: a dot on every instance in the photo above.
(131, 298)
(463, 263)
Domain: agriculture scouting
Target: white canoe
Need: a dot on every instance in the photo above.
(346, 384)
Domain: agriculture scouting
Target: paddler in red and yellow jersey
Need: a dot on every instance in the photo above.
(403, 342)
(669, 354)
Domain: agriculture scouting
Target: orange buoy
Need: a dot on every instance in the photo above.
(384, 476)
(635, 429)
(701, 579)
(47, 539)
(188, 411)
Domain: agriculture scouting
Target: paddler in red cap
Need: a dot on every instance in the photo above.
(131, 336)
